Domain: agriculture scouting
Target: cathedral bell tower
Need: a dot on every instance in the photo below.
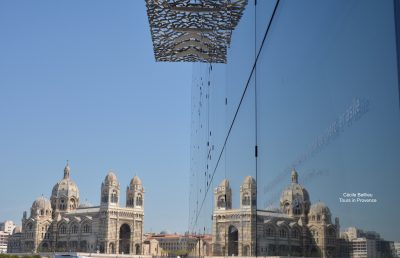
(135, 194)
(248, 193)
(110, 191)
(223, 196)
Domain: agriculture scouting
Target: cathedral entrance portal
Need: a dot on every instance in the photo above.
(233, 237)
(124, 238)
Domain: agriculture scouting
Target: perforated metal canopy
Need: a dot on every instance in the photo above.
(193, 31)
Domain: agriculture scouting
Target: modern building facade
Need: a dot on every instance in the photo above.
(64, 224)
(308, 85)
(298, 228)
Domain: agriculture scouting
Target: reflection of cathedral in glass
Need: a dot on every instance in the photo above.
(63, 224)
(297, 228)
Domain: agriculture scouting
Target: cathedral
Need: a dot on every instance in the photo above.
(296, 229)
(64, 224)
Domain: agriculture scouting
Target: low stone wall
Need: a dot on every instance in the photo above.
(94, 255)
(258, 257)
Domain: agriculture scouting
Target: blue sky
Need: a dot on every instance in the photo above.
(78, 82)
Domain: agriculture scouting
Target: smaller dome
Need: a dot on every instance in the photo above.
(165, 232)
(249, 180)
(224, 183)
(41, 203)
(111, 178)
(136, 181)
(320, 208)
(17, 229)
(85, 204)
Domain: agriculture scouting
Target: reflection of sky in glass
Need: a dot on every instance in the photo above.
(318, 59)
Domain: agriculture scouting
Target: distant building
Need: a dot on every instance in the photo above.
(365, 244)
(63, 224)
(7, 226)
(14, 241)
(3, 241)
(6, 229)
(397, 248)
(362, 248)
(164, 244)
(297, 229)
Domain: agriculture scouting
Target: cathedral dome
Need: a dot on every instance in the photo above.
(295, 190)
(66, 187)
(41, 203)
(85, 204)
(111, 179)
(17, 229)
(136, 181)
(319, 208)
(41, 207)
(65, 193)
(320, 212)
(295, 199)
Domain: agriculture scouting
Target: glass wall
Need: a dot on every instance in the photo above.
(295, 141)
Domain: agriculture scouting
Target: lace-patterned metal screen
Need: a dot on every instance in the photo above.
(193, 31)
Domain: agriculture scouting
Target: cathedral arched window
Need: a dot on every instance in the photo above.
(114, 196)
(270, 232)
(72, 204)
(221, 202)
(74, 229)
(86, 228)
(295, 233)
(139, 200)
(286, 208)
(130, 200)
(62, 205)
(246, 200)
(63, 229)
(283, 233)
(42, 212)
(318, 217)
(104, 197)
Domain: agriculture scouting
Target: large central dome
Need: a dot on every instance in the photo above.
(65, 187)
(295, 199)
(65, 193)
